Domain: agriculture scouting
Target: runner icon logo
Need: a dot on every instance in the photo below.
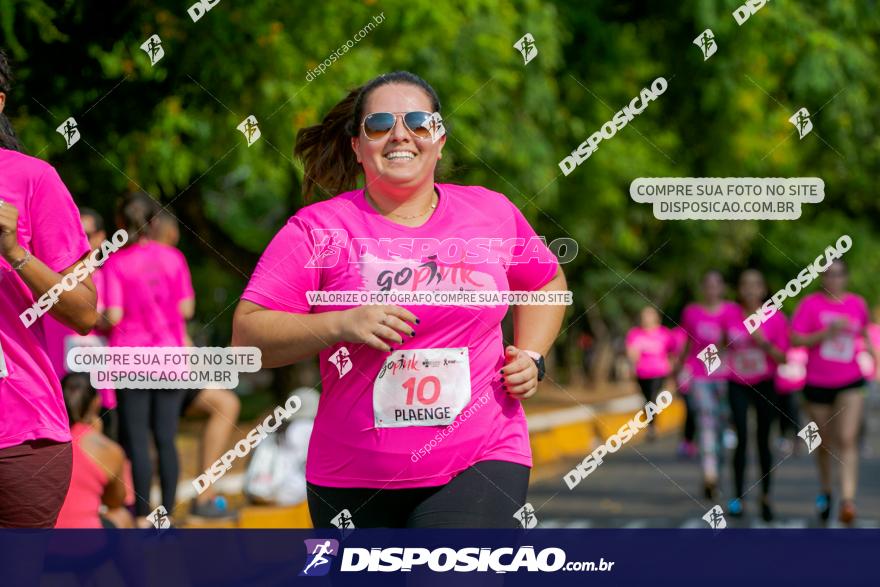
(343, 520)
(810, 434)
(801, 121)
(341, 359)
(715, 518)
(328, 244)
(159, 518)
(70, 131)
(706, 43)
(249, 129)
(435, 126)
(319, 556)
(526, 46)
(710, 358)
(526, 516)
(153, 48)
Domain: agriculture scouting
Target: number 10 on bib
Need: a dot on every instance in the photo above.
(422, 387)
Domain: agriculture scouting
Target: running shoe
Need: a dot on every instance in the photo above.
(215, 509)
(710, 491)
(735, 507)
(766, 511)
(823, 506)
(847, 512)
(729, 439)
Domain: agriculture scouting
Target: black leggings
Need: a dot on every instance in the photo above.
(788, 415)
(690, 419)
(650, 388)
(485, 495)
(142, 411)
(763, 398)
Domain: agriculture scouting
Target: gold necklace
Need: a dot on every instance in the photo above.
(378, 209)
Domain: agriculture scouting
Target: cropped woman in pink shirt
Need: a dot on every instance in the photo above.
(828, 322)
(41, 241)
(704, 323)
(753, 359)
(419, 423)
(648, 347)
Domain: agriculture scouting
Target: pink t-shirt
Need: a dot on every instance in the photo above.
(747, 362)
(832, 362)
(144, 280)
(704, 328)
(347, 448)
(791, 375)
(654, 347)
(87, 483)
(31, 404)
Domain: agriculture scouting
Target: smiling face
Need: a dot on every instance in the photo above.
(397, 161)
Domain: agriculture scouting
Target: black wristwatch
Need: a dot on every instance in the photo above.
(538, 358)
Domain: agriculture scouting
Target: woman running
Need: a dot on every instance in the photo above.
(98, 464)
(41, 241)
(828, 322)
(432, 434)
(752, 365)
(648, 347)
(146, 305)
(704, 323)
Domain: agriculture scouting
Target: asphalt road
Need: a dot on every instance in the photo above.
(645, 485)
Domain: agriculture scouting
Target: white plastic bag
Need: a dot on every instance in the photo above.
(276, 473)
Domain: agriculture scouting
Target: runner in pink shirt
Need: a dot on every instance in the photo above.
(649, 347)
(828, 323)
(420, 422)
(144, 305)
(60, 339)
(704, 323)
(41, 241)
(753, 359)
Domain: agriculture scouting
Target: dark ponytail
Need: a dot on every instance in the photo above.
(78, 396)
(329, 162)
(8, 140)
(134, 213)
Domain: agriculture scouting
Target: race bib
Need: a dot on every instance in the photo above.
(3, 371)
(422, 387)
(750, 362)
(840, 348)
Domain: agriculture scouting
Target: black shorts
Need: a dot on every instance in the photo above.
(827, 395)
(487, 494)
(188, 399)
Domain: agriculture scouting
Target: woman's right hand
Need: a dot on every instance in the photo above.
(377, 326)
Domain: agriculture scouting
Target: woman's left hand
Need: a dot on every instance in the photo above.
(520, 374)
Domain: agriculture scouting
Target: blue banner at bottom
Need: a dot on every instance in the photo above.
(172, 557)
